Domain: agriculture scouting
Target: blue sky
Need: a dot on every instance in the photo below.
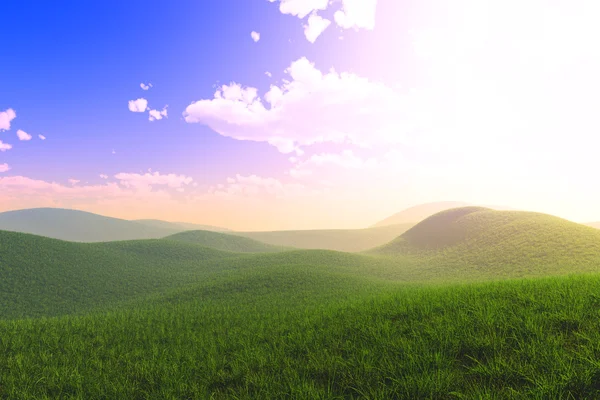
(427, 101)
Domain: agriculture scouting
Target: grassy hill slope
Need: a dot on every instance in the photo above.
(42, 276)
(226, 242)
(294, 333)
(349, 240)
(510, 242)
(79, 226)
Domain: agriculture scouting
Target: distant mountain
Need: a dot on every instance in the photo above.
(351, 240)
(420, 212)
(180, 226)
(79, 226)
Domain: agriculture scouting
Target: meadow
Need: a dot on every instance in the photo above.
(424, 317)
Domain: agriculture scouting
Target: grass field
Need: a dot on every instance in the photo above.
(432, 317)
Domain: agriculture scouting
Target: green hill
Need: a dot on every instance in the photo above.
(226, 242)
(349, 240)
(179, 226)
(43, 276)
(509, 242)
(79, 226)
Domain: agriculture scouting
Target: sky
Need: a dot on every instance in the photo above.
(299, 114)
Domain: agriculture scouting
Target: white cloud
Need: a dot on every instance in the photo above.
(145, 87)
(268, 74)
(356, 14)
(352, 13)
(316, 25)
(23, 135)
(74, 181)
(103, 176)
(301, 8)
(154, 115)
(254, 185)
(311, 108)
(5, 117)
(42, 137)
(145, 181)
(255, 36)
(5, 146)
(4, 167)
(139, 105)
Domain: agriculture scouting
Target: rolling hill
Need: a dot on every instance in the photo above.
(510, 242)
(80, 226)
(194, 322)
(226, 242)
(179, 226)
(349, 240)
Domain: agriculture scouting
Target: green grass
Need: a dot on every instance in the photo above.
(296, 334)
(348, 240)
(226, 242)
(425, 316)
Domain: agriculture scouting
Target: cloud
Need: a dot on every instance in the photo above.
(5, 117)
(113, 151)
(255, 36)
(356, 14)
(139, 105)
(301, 8)
(254, 185)
(154, 115)
(145, 87)
(5, 146)
(316, 25)
(310, 108)
(4, 167)
(103, 176)
(23, 135)
(351, 14)
(268, 74)
(74, 181)
(42, 137)
(145, 181)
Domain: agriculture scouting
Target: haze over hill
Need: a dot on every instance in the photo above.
(180, 226)
(351, 240)
(225, 242)
(81, 226)
(420, 212)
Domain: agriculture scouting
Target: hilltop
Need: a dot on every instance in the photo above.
(510, 242)
(79, 226)
(180, 226)
(348, 240)
(226, 242)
